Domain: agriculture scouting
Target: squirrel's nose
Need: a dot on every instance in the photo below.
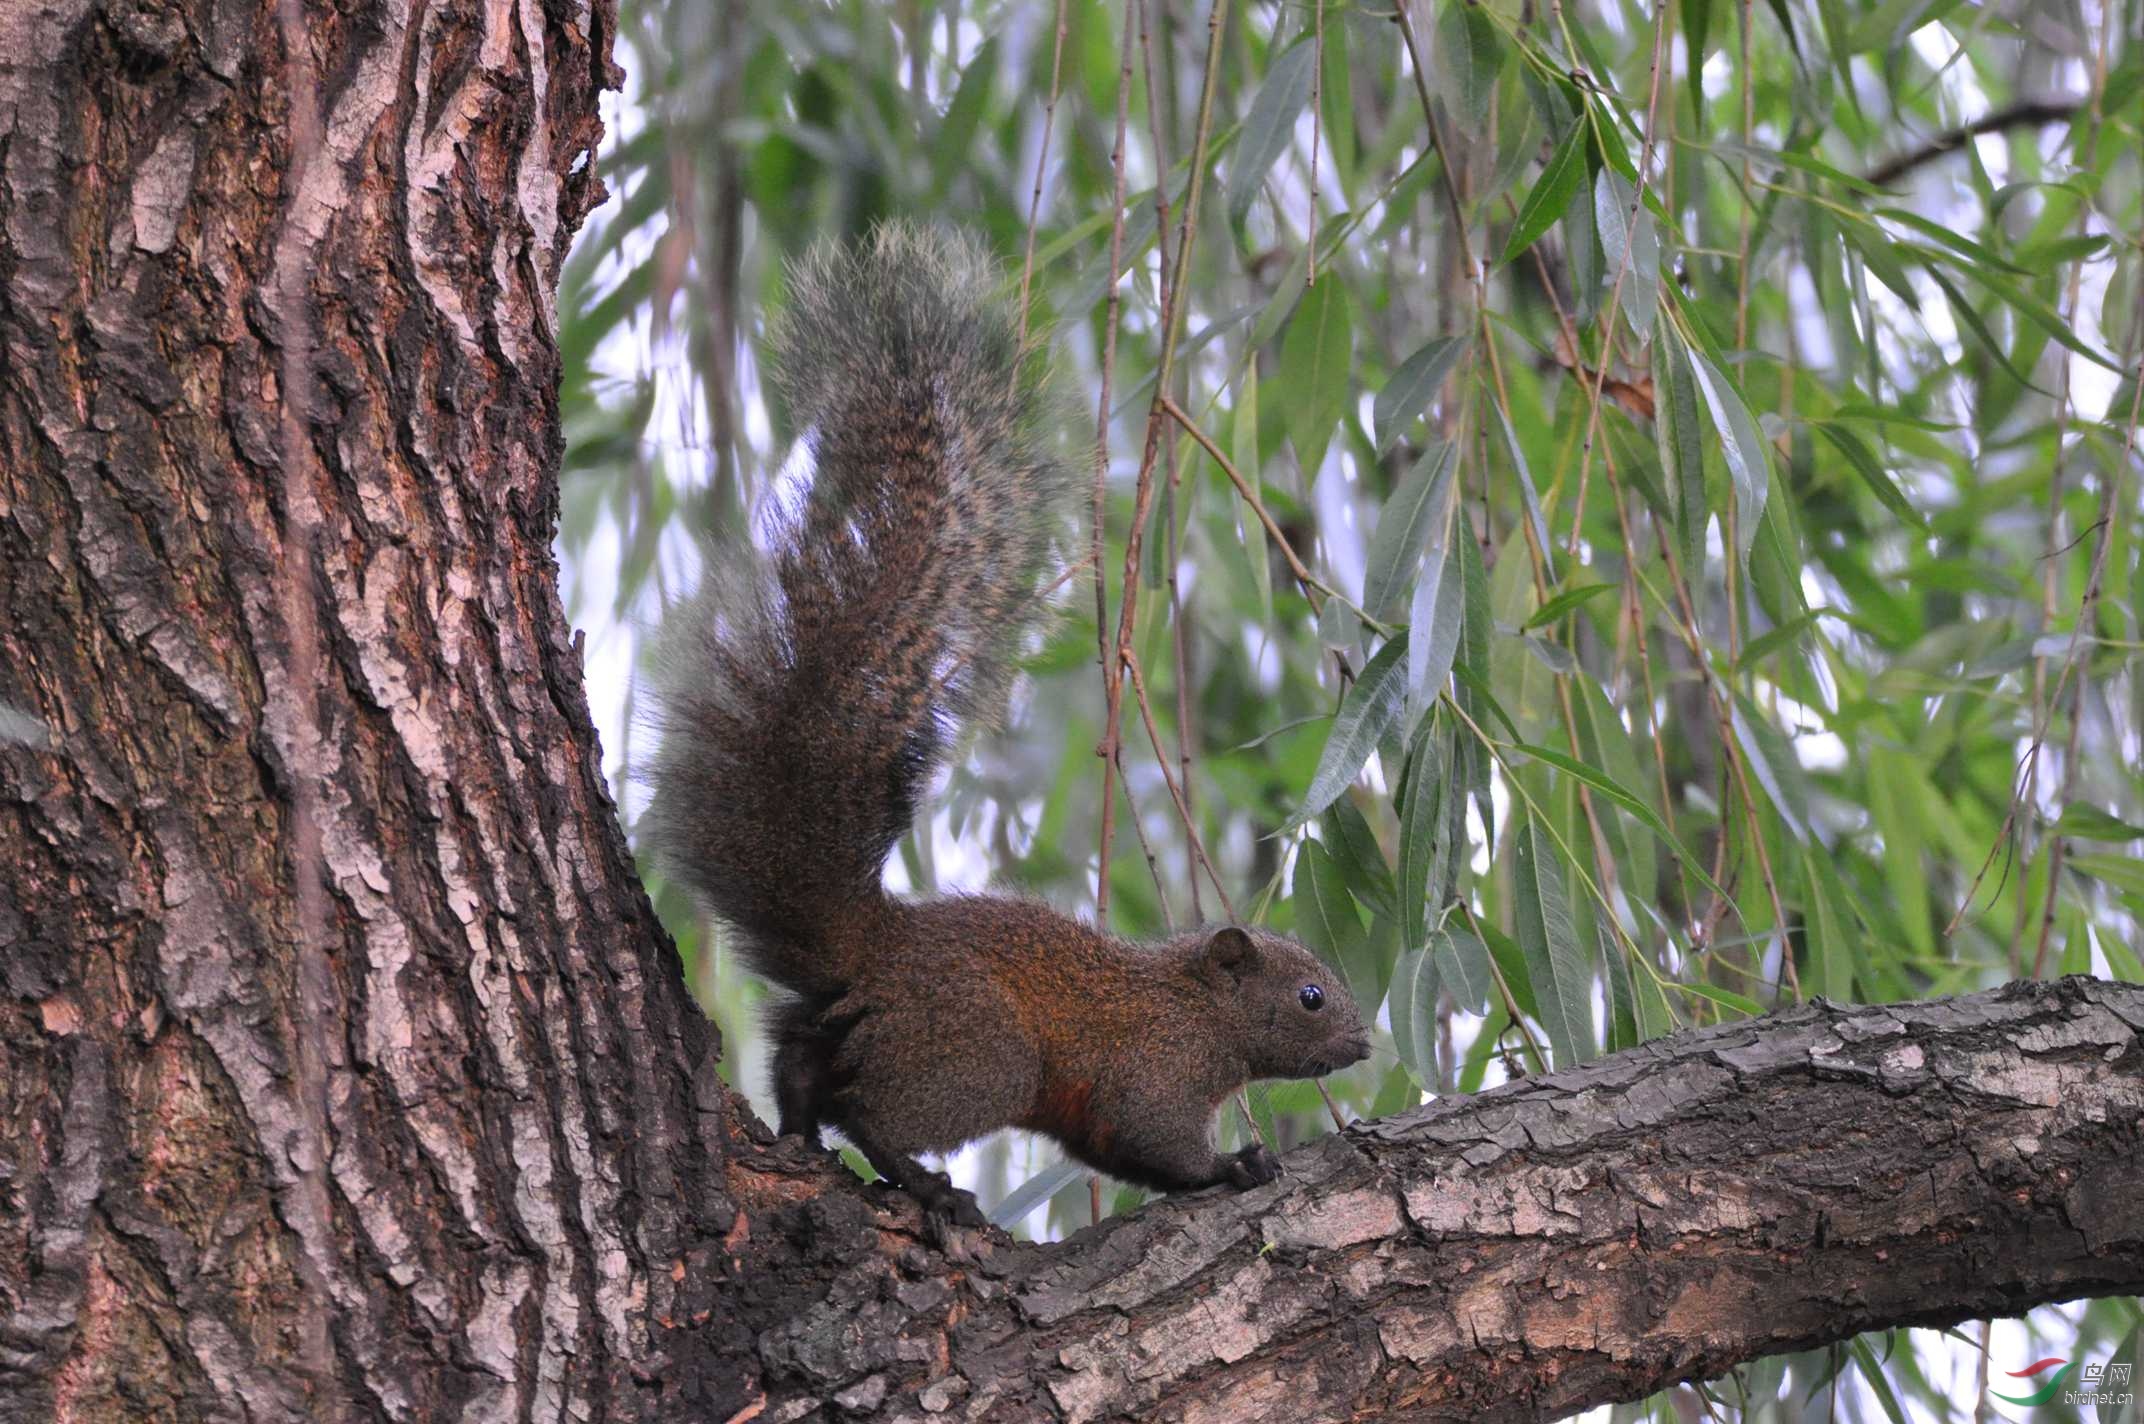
(1359, 1048)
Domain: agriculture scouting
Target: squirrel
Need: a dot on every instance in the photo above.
(807, 691)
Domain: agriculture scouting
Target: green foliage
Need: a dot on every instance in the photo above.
(1714, 486)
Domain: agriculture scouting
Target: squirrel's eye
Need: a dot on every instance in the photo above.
(1312, 997)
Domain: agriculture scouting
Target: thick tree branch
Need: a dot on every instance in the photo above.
(1591, 1236)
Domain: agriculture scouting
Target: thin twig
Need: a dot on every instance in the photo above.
(1339, 1122)
(1153, 862)
(1157, 140)
(1730, 748)
(1615, 289)
(2024, 785)
(1636, 606)
(2026, 112)
(1731, 570)
(1537, 556)
(1701, 925)
(1317, 135)
(1749, 123)
(1311, 584)
(1499, 751)
(1436, 138)
(1042, 158)
(1695, 642)
(1179, 651)
(1183, 808)
(1099, 540)
(1593, 416)
(1511, 1003)
(2058, 849)
(1171, 327)
(2087, 613)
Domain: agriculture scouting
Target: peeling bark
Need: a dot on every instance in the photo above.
(344, 1072)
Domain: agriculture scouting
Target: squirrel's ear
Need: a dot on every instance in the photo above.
(1230, 951)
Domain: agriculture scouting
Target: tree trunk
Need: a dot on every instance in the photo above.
(344, 1071)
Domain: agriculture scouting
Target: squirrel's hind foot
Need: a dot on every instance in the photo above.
(1254, 1166)
(945, 1206)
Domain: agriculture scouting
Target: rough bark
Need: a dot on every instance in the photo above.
(344, 1072)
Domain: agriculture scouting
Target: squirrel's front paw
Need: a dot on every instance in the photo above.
(1254, 1166)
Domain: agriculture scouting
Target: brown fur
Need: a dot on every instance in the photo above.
(810, 688)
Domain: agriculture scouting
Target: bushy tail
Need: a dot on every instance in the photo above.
(806, 693)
